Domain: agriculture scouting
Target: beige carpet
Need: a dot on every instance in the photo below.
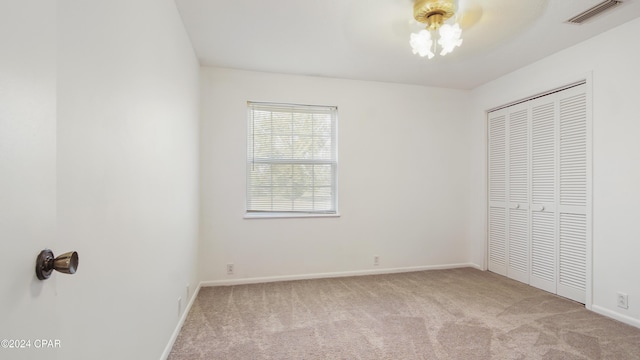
(440, 314)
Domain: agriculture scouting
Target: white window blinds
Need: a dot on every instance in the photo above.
(291, 159)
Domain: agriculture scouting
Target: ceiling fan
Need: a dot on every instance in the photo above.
(376, 27)
(445, 20)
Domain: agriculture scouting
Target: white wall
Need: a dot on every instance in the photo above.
(121, 166)
(403, 168)
(613, 59)
(27, 172)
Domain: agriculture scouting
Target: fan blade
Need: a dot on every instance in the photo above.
(469, 13)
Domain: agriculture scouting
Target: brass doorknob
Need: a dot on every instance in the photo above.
(45, 263)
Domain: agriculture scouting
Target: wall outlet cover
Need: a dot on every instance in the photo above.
(623, 300)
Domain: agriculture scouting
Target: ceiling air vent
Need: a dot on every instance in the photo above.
(594, 11)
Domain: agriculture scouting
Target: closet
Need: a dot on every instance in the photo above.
(539, 191)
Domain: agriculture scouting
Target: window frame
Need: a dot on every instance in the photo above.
(251, 160)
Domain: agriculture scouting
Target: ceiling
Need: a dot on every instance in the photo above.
(369, 39)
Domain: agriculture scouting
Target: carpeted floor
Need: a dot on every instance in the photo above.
(438, 314)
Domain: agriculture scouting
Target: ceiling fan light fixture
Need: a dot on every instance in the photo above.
(435, 13)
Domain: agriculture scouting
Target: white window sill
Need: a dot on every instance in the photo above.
(276, 215)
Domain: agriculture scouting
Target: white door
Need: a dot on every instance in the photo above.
(572, 205)
(498, 227)
(518, 190)
(543, 194)
(509, 193)
(27, 178)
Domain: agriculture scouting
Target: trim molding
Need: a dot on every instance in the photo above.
(256, 280)
(615, 315)
(183, 317)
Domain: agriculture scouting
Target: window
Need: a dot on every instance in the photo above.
(291, 160)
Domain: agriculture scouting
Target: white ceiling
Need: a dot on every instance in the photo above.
(369, 39)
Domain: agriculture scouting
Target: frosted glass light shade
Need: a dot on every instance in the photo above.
(421, 43)
(449, 38)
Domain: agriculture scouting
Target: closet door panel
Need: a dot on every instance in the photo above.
(498, 240)
(498, 227)
(543, 251)
(518, 268)
(572, 259)
(518, 184)
(543, 194)
(573, 151)
(573, 195)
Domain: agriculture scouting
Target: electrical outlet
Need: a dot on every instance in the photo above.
(376, 260)
(229, 269)
(623, 300)
(179, 306)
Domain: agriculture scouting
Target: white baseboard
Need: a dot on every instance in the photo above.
(176, 331)
(616, 315)
(256, 280)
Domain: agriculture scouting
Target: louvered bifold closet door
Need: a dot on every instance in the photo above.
(498, 230)
(518, 190)
(543, 194)
(539, 192)
(572, 208)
